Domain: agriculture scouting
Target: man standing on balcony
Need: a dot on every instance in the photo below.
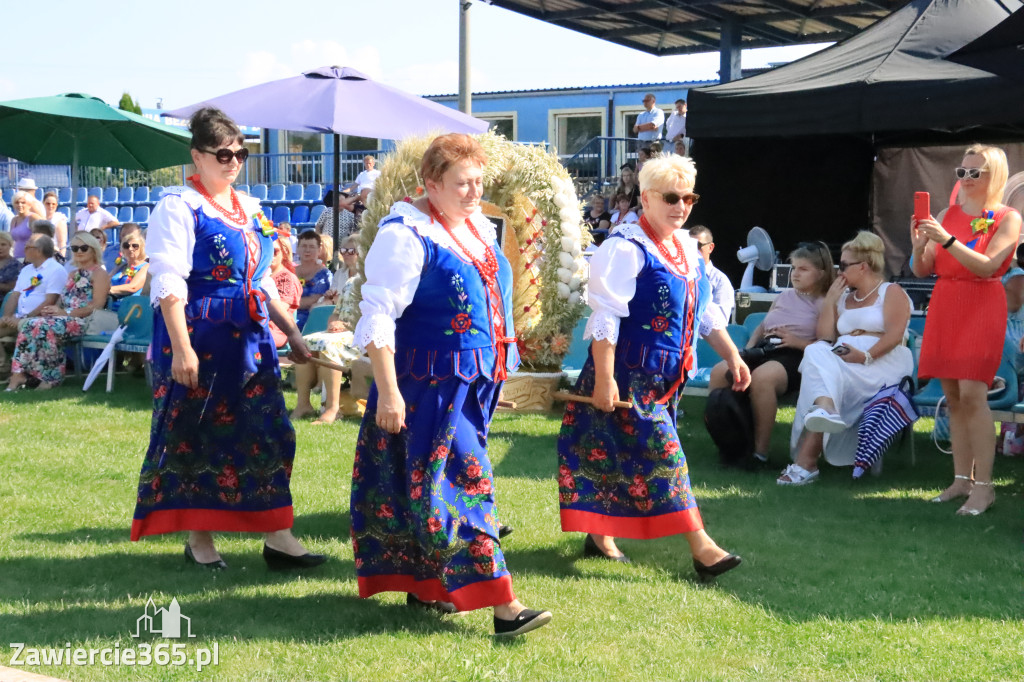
(675, 127)
(648, 123)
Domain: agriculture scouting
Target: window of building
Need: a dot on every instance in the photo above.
(502, 123)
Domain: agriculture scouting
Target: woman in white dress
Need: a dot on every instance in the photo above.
(838, 377)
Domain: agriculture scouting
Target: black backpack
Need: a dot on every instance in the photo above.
(729, 419)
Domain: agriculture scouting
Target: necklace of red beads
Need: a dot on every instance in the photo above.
(235, 215)
(677, 261)
(488, 267)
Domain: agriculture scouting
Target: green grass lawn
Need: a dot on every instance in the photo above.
(841, 580)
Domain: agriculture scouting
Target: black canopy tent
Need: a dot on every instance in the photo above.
(793, 149)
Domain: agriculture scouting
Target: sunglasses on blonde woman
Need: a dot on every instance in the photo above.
(79, 248)
(672, 198)
(971, 173)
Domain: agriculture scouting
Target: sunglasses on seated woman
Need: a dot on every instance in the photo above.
(972, 173)
(672, 198)
(225, 155)
(80, 248)
(128, 246)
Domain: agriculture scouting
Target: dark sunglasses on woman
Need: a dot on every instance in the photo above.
(673, 198)
(225, 155)
(79, 248)
(128, 246)
(972, 173)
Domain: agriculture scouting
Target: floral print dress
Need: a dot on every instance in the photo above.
(39, 349)
(319, 283)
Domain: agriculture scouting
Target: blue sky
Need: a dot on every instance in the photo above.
(189, 50)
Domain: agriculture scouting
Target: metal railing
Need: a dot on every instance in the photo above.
(596, 164)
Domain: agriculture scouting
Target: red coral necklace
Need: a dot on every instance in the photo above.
(488, 267)
(678, 261)
(235, 215)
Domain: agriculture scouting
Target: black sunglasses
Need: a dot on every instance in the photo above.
(673, 198)
(128, 246)
(843, 264)
(80, 248)
(972, 173)
(225, 155)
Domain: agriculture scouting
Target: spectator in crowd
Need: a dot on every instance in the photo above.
(5, 217)
(722, 293)
(680, 147)
(326, 253)
(648, 124)
(313, 276)
(346, 218)
(675, 127)
(59, 220)
(598, 219)
(9, 265)
(860, 351)
(1011, 435)
(93, 216)
(130, 275)
(776, 347)
(112, 255)
(40, 283)
(48, 228)
(29, 187)
(643, 155)
(21, 224)
(39, 349)
(623, 212)
(627, 185)
(366, 179)
(282, 271)
(343, 280)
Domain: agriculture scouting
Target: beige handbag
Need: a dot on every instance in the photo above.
(101, 321)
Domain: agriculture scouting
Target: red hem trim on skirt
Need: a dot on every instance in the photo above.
(469, 598)
(632, 527)
(174, 520)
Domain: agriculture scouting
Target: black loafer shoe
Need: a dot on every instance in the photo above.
(527, 620)
(504, 531)
(706, 573)
(280, 561)
(444, 607)
(591, 550)
(217, 565)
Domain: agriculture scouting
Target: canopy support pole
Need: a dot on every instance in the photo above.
(335, 217)
(465, 92)
(74, 191)
(730, 64)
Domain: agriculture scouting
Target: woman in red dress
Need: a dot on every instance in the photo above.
(969, 246)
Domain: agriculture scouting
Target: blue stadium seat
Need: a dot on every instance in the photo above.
(752, 320)
(95, 192)
(81, 196)
(318, 318)
(124, 214)
(706, 359)
(314, 215)
(242, 188)
(579, 350)
(64, 195)
(739, 334)
(141, 195)
(314, 193)
(66, 210)
(300, 216)
(9, 194)
(142, 215)
(154, 193)
(282, 214)
(125, 195)
(109, 196)
(293, 194)
(259, 192)
(275, 194)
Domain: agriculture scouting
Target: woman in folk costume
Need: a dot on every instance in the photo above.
(622, 472)
(221, 446)
(437, 326)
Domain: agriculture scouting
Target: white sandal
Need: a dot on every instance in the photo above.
(821, 420)
(797, 476)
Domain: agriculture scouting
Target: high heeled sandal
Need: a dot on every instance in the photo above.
(974, 511)
(939, 498)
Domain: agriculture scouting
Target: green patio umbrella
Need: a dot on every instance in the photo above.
(77, 129)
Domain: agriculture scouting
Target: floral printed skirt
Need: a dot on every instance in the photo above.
(220, 455)
(623, 473)
(423, 517)
(39, 349)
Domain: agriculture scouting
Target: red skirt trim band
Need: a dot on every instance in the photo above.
(174, 520)
(632, 527)
(469, 598)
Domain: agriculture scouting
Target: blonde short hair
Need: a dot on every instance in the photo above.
(998, 171)
(868, 247)
(662, 172)
(6, 238)
(84, 237)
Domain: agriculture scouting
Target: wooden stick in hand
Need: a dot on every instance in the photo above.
(562, 395)
(326, 363)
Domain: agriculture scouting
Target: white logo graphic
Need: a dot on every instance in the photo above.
(170, 620)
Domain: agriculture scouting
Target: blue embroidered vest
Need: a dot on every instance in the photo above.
(447, 328)
(659, 334)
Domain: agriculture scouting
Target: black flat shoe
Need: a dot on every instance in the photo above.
(279, 561)
(217, 565)
(504, 531)
(527, 620)
(442, 606)
(591, 550)
(706, 573)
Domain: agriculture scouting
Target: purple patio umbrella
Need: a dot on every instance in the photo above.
(338, 100)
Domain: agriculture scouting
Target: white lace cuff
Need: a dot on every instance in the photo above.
(377, 329)
(712, 319)
(602, 326)
(168, 284)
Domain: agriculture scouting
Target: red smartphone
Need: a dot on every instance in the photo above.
(922, 205)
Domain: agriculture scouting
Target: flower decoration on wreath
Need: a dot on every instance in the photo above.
(544, 241)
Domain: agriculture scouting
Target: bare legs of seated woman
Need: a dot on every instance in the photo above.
(767, 383)
(974, 446)
(306, 377)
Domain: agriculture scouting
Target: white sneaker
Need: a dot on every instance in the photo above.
(821, 420)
